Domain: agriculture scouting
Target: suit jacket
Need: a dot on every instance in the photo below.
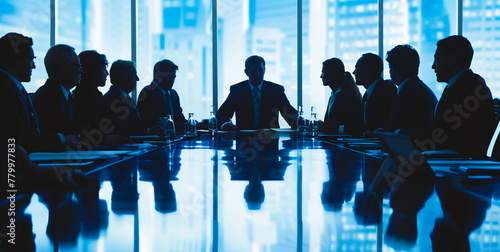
(88, 105)
(55, 113)
(413, 108)
(272, 102)
(465, 116)
(17, 122)
(346, 109)
(152, 105)
(376, 108)
(123, 113)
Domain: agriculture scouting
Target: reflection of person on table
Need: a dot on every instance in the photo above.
(342, 182)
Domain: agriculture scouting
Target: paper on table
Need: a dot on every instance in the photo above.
(145, 137)
(283, 129)
(75, 155)
(67, 164)
(464, 162)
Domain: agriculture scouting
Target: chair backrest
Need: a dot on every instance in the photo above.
(496, 136)
(496, 108)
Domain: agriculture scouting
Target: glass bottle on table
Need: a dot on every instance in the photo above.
(212, 123)
(314, 127)
(168, 127)
(301, 122)
(190, 128)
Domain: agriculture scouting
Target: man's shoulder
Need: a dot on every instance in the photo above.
(149, 91)
(111, 94)
(274, 86)
(471, 78)
(386, 84)
(238, 86)
(6, 83)
(47, 90)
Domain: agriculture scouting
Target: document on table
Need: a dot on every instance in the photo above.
(71, 156)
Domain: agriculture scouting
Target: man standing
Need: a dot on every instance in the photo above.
(256, 102)
(159, 99)
(18, 117)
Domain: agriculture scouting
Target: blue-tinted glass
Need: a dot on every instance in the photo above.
(30, 18)
(483, 31)
(181, 32)
(269, 31)
(419, 23)
(103, 26)
(340, 29)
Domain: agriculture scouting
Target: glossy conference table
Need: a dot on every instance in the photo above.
(266, 191)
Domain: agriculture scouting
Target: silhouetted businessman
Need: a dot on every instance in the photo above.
(53, 100)
(256, 102)
(344, 105)
(378, 97)
(159, 99)
(87, 99)
(414, 105)
(464, 119)
(120, 108)
(18, 117)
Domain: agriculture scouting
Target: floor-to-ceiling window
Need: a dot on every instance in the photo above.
(335, 29)
(30, 18)
(103, 26)
(258, 27)
(419, 23)
(181, 30)
(481, 24)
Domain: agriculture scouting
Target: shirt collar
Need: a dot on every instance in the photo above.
(65, 92)
(337, 91)
(402, 84)
(121, 92)
(252, 86)
(369, 90)
(18, 84)
(161, 89)
(454, 78)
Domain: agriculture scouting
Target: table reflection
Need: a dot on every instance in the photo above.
(258, 191)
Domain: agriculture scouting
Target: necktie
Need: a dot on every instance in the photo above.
(33, 118)
(365, 98)
(256, 106)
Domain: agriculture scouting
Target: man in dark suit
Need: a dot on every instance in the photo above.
(464, 119)
(344, 104)
(378, 97)
(119, 107)
(52, 101)
(256, 102)
(158, 99)
(414, 105)
(87, 99)
(18, 118)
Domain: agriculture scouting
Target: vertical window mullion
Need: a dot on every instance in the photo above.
(460, 18)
